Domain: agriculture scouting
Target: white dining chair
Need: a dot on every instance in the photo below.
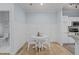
(46, 44)
(30, 42)
(40, 44)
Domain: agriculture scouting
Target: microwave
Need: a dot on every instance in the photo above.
(73, 29)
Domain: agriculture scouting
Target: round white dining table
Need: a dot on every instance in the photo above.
(40, 40)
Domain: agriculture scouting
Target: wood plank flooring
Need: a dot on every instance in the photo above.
(55, 49)
(70, 47)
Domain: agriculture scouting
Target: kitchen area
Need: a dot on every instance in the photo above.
(74, 33)
(70, 20)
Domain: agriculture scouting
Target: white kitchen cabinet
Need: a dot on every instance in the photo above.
(65, 22)
(4, 31)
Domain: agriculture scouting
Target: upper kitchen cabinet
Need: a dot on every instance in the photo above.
(71, 10)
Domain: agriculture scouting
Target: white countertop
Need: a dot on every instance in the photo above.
(75, 37)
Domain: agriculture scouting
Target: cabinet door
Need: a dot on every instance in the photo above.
(66, 21)
(4, 27)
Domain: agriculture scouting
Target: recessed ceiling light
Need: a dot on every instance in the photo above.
(41, 4)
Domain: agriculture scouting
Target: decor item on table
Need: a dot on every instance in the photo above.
(38, 34)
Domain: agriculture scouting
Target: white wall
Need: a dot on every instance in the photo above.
(19, 29)
(41, 18)
(41, 22)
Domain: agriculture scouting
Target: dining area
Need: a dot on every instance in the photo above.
(39, 41)
(42, 46)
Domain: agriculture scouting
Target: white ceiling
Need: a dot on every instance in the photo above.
(47, 7)
(36, 7)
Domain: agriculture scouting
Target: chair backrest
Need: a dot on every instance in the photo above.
(29, 40)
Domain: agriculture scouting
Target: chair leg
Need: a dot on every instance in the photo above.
(39, 49)
(28, 47)
(35, 47)
(49, 46)
(42, 47)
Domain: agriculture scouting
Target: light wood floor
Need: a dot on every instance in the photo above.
(70, 47)
(54, 50)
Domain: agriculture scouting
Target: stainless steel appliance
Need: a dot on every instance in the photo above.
(73, 29)
(75, 23)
